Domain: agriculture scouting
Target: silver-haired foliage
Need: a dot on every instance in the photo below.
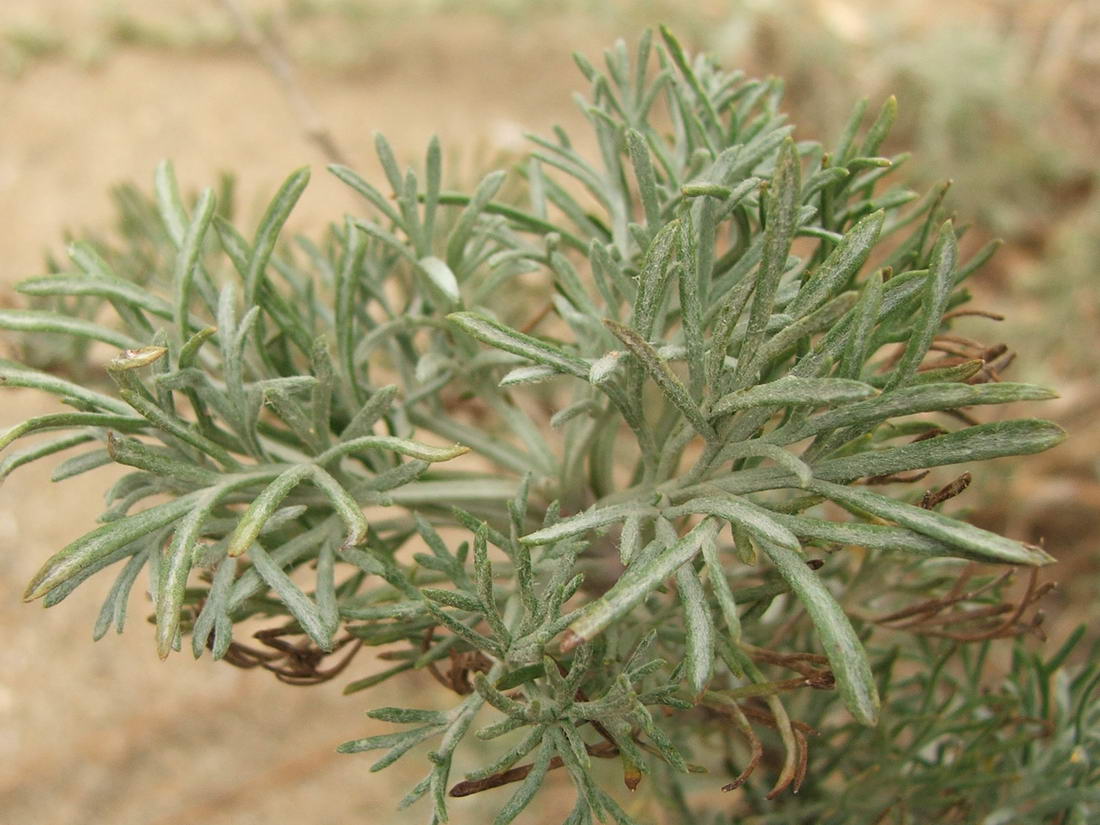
(591, 448)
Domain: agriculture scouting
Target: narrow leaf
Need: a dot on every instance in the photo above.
(716, 575)
(403, 446)
(870, 536)
(740, 512)
(35, 320)
(664, 377)
(187, 259)
(263, 506)
(301, 607)
(213, 614)
(464, 227)
(989, 546)
(267, 233)
(16, 375)
(497, 335)
(117, 290)
(781, 206)
(79, 464)
(169, 202)
(527, 375)
(62, 421)
(101, 542)
(633, 586)
(837, 270)
(847, 658)
(527, 789)
(941, 280)
(756, 448)
(647, 181)
(908, 401)
(653, 278)
(593, 519)
(698, 629)
(114, 606)
(344, 504)
(441, 280)
(176, 567)
(791, 390)
(866, 312)
(364, 419)
(980, 443)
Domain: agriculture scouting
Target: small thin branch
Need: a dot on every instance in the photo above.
(991, 621)
(935, 432)
(803, 760)
(519, 773)
(294, 664)
(895, 478)
(280, 65)
(959, 313)
(932, 498)
(957, 594)
(537, 319)
(943, 363)
(732, 711)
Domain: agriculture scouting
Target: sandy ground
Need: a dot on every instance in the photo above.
(105, 734)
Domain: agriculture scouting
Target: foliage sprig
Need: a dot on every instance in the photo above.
(500, 436)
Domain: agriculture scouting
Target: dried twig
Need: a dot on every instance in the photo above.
(935, 432)
(294, 664)
(794, 769)
(471, 786)
(981, 313)
(280, 65)
(977, 624)
(733, 711)
(896, 478)
(462, 665)
(948, 491)
(537, 318)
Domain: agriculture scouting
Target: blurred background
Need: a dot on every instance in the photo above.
(1001, 96)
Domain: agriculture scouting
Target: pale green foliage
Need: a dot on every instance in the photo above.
(734, 322)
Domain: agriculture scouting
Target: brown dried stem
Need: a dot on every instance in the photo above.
(282, 68)
(294, 664)
(933, 617)
(517, 774)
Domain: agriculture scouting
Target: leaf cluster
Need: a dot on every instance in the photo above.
(501, 438)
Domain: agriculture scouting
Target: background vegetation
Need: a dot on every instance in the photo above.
(1002, 95)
